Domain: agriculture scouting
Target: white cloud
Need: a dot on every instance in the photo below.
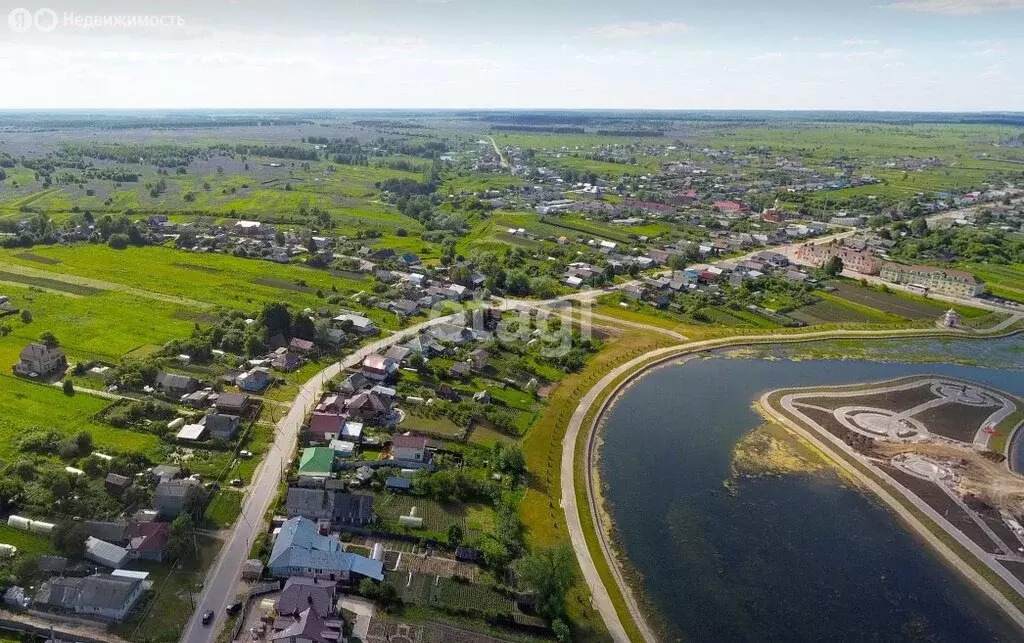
(955, 7)
(858, 42)
(871, 54)
(993, 73)
(639, 29)
(622, 57)
(390, 43)
(985, 47)
(769, 55)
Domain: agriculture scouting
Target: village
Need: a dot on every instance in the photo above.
(390, 458)
(336, 400)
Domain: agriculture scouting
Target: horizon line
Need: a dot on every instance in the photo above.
(814, 110)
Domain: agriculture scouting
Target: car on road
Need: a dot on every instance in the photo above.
(207, 617)
(234, 608)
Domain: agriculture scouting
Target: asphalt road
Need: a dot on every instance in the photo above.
(219, 591)
(826, 442)
(601, 599)
(222, 580)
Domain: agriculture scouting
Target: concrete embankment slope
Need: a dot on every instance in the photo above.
(861, 470)
(583, 419)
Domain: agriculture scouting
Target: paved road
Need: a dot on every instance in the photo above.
(819, 438)
(219, 589)
(222, 580)
(601, 599)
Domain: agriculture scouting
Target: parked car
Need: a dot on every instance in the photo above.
(237, 482)
(234, 608)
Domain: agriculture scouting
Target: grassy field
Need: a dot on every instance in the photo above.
(541, 511)
(898, 303)
(479, 182)
(27, 405)
(485, 435)
(26, 541)
(257, 192)
(91, 327)
(450, 594)
(224, 508)
(440, 427)
(832, 309)
(437, 517)
(216, 279)
(1002, 281)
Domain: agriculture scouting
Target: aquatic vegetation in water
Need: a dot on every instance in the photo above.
(999, 353)
(769, 451)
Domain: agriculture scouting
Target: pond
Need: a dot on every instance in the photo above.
(796, 557)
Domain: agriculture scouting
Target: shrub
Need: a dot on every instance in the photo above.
(39, 441)
(118, 241)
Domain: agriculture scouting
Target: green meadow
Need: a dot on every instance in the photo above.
(217, 279)
(26, 405)
(101, 326)
(1003, 281)
(259, 192)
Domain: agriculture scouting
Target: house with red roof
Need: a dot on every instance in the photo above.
(732, 207)
(325, 426)
(149, 541)
(684, 197)
(303, 346)
(377, 367)
(409, 447)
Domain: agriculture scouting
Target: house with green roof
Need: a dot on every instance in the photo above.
(317, 462)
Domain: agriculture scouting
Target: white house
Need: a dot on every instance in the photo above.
(409, 447)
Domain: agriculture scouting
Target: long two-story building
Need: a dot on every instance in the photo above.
(954, 283)
(860, 261)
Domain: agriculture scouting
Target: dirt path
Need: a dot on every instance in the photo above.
(99, 284)
(501, 155)
(635, 367)
(827, 443)
(107, 395)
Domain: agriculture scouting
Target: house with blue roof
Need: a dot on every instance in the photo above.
(300, 550)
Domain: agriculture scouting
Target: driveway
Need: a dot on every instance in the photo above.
(364, 610)
(219, 591)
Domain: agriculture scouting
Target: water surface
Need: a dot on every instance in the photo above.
(791, 558)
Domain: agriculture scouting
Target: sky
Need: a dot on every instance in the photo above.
(918, 55)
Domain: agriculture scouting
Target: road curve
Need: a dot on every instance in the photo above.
(828, 443)
(634, 367)
(221, 582)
